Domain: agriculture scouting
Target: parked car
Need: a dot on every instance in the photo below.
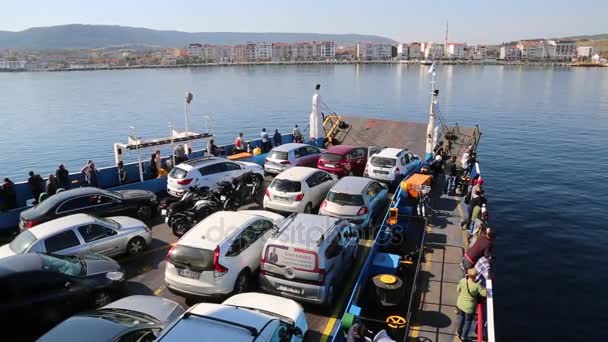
(391, 165)
(344, 160)
(80, 234)
(89, 200)
(357, 199)
(131, 319)
(206, 171)
(309, 266)
(298, 190)
(40, 290)
(243, 317)
(289, 155)
(220, 254)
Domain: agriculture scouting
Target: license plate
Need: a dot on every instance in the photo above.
(381, 172)
(289, 289)
(222, 198)
(331, 165)
(163, 212)
(188, 274)
(281, 198)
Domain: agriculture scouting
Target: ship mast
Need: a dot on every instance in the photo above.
(430, 129)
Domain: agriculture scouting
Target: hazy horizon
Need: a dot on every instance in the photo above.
(472, 22)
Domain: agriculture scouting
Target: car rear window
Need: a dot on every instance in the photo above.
(22, 242)
(383, 162)
(196, 258)
(294, 257)
(345, 199)
(178, 173)
(286, 185)
(332, 157)
(279, 155)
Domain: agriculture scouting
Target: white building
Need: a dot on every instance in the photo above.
(195, 50)
(374, 51)
(325, 50)
(564, 49)
(12, 65)
(414, 51)
(224, 53)
(585, 51)
(432, 50)
(509, 52)
(456, 50)
(403, 51)
(263, 51)
(533, 50)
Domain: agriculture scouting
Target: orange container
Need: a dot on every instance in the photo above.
(412, 184)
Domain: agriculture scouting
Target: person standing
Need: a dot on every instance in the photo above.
(153, 169)
(122, 173)
(469, 292)
(451, 172)
(36, 184)
(297, 135)
(158, 160)
(239, 144)
(90, 173)
(213, 149)
(180, 154)
(482, 247)
(317, 131)
(265, 141)
(51, 185)
(9, 195)
(278, 139)
(63, 177)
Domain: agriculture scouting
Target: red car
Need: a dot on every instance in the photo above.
(343, 160)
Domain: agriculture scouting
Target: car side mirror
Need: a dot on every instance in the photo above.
(297, 332)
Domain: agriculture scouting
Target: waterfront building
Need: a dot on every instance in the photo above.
(562, 49)
(509, 52)
(12, 65)
(374, 51)
(533, 49)
(249, 52)
(281, 52)
(195, 50)
(403, 51)
(325, 50)
(414, 51)
(263, 51)
(585, 51)
(302, 51)
(345, 53)
(224, 53)
(432, 50)
(456, 50)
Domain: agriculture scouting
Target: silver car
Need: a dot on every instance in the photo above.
(134, 318)
(356, 199)
(289, 155)
(81, 234)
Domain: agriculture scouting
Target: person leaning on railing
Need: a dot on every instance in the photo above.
(469, 294)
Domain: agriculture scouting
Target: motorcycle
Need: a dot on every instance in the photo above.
(195, 205)
(244, 189)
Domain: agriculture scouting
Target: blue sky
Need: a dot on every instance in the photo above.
(472, 21)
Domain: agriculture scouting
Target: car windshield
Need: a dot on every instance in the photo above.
(286, 185)
(279, 155)
(332, 157)
(110, 222)
(383, 162)
(178, 173)
(199, 259)
(345, 199)
(128, 318)
(69, 265)
(22, 242)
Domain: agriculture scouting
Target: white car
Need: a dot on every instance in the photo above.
(243, 317)
(220, 254)
(298, 190)
(207, 171)
(390, 165)
(289, 155)
(81, 234)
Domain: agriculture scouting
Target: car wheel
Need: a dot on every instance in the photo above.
(181, 227)
(101, 298)
(144, 212)
(308, 208)
(136, 245)
(242, 282)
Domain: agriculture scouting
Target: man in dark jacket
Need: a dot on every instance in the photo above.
(9, 195)
(63, 177)
(481, 247)
(450, 171)
(36, 185)
(278, 139)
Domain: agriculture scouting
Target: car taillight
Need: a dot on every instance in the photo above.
(299, 197)
(29, 223)
(218, 269)
(261, 268)
(267, 193)
(362, 211)
(184, 181)
(324, 204)
(169, 253)
(321, 280)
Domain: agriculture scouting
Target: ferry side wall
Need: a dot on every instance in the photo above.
(107, 178)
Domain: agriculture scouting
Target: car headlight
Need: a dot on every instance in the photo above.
(115, 276)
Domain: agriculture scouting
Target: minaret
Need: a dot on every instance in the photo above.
(445, 44)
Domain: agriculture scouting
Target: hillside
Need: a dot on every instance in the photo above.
(97, 36)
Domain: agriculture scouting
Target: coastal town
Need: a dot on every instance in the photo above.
(545, 51)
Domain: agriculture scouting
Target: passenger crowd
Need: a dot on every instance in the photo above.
(477, 260)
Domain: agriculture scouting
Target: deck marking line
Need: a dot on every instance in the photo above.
(159, 290)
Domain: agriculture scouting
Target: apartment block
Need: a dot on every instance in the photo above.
(509, 52)
(585, 51)
(373, 51)
(414, 51)
(325, 50)
(403, 51)
(432, 50)
(263, 51)
(456, 50)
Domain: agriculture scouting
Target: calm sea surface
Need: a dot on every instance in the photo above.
(543, 153)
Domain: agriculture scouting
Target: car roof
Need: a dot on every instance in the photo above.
(314, 226)
(340, 149)
(390, 152)
(49, 228)
(282, 306)
(196, 162)
(52, 201)
(157, 307)
(297, 173)
(93, 327)
(190, 326)
(351, 185)
(289, 147)
(205, 233)
(20, 263)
